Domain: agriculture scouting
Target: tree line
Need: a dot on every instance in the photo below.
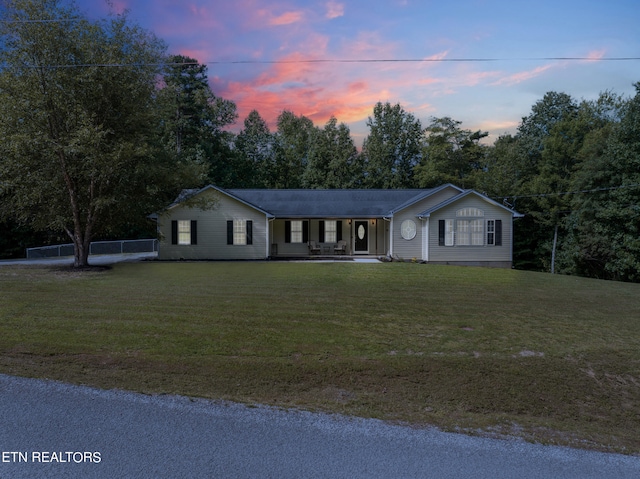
(572, 167)
(89, 150)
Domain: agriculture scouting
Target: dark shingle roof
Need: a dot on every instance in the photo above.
(329, 203)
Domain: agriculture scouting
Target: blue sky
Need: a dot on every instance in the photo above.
(492, 96)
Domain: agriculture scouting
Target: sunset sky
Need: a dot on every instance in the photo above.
(259, 52)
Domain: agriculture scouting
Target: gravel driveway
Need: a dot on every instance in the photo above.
(50, 429)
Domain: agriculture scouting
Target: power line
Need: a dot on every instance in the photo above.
(337, 61)
(57, 20)
(543, 195)
(417, 60)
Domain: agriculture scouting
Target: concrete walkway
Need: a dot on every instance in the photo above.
(105, 259)
(99, 259)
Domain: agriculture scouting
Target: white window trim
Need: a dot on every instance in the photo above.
(470, 212)
(491, 232)
(449, 233)
(330, 231)
(296, 231)
(184, 232)
(466, 231)
(476, 230)
(239, 232)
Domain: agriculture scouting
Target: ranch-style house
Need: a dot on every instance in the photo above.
(445, 225)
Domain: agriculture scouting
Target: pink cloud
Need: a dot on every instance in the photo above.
(498, 125)
(334, 10)
(596, 55)
(287, 18)
(523, 76)
(309, 89)
(266, 17)
(196, 53)
(357, 87)
(119, 6)
(438, 56)
(370, 45)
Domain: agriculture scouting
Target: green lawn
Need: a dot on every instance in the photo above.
(549, 358)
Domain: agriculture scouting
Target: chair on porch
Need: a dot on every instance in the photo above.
(314, 248)
(340, 248)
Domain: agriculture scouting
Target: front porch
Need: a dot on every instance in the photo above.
(328, 238)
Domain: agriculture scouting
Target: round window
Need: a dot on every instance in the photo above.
(408, 229)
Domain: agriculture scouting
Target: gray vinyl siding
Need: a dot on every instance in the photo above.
(472, 254)
(268, 234)
(379, 244)
(409, 249)
(212, 232)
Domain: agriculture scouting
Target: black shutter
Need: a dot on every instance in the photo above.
(230, 232)
(174, 232)
(498, 232)
(321, 231)
(194, 232)
(287, 231)
(440, 232)
(249, 232)
(338, 230)
(305, 231)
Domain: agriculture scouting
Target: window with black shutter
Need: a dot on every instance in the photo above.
(174, 232)
(230, 232)
(287, 231)
(194, 232)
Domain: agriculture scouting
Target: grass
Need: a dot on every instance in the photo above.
(554, 359)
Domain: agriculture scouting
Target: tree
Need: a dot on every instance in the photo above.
(451, 155)
(256, 147)
(393, 147)
(78, 152)
(535, 127)
(195, 118)
(333, 159)
(503, 172)
(294, 138)
(606, 217)
(541, 176)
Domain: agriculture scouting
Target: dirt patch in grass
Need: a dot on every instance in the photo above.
(76, 272)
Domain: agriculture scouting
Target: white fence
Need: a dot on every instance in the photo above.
(97, 247)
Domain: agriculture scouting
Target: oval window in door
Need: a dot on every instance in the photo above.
(361, 232)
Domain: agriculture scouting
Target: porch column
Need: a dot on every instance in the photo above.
(268, 236)
(391, 237)
(425, 239)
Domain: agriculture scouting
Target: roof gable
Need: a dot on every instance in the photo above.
(425, 194)
(187, 194)
(464, 194)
